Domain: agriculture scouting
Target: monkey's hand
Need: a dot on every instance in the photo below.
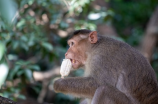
(79, 86)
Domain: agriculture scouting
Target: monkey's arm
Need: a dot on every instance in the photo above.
(80, 86)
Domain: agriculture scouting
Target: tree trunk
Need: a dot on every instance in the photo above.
(151, 36)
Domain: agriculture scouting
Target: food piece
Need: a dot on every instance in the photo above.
(65, 68)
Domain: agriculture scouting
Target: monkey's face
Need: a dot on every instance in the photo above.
(77, 51)
(79, 47)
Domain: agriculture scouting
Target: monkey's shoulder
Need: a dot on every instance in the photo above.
(113, 46)
(114, 53)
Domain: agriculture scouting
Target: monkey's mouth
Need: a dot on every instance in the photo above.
(73, 61)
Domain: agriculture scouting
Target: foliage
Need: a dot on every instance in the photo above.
(29, 32)
(131, 18)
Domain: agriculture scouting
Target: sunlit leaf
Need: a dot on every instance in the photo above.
(3, 73)
(21, 23)
(8, 9)
(2, 50)
(12, 57)
(22, 97)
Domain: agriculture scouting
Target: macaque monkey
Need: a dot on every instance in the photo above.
(115, 73)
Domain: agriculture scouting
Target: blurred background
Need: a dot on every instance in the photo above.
(33, 40)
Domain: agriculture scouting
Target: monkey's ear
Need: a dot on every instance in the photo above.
(93, 37)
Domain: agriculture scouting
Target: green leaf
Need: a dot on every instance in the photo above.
(21, 62)
(22, 97)
(28, 74)
(15, 44)
(20, 72)
(24, 38)
(24, 46)
(34, 67)
(21, 23)
(8, 10)
(13, 72)
(2, 50)
(12, 56)
(47, 46)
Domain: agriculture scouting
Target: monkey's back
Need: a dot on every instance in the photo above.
(123, 67)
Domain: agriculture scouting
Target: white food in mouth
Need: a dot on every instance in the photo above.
(65, 67)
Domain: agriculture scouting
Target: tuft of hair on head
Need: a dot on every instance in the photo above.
(81, 31)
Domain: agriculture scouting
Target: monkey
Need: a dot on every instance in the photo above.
(115, 72)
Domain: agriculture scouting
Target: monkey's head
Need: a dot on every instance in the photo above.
(79, 47)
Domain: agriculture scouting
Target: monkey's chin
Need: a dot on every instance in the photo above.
(76, 66)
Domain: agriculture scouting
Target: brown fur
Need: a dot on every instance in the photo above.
(116, 73)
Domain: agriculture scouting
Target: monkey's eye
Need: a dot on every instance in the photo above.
(71, 44)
